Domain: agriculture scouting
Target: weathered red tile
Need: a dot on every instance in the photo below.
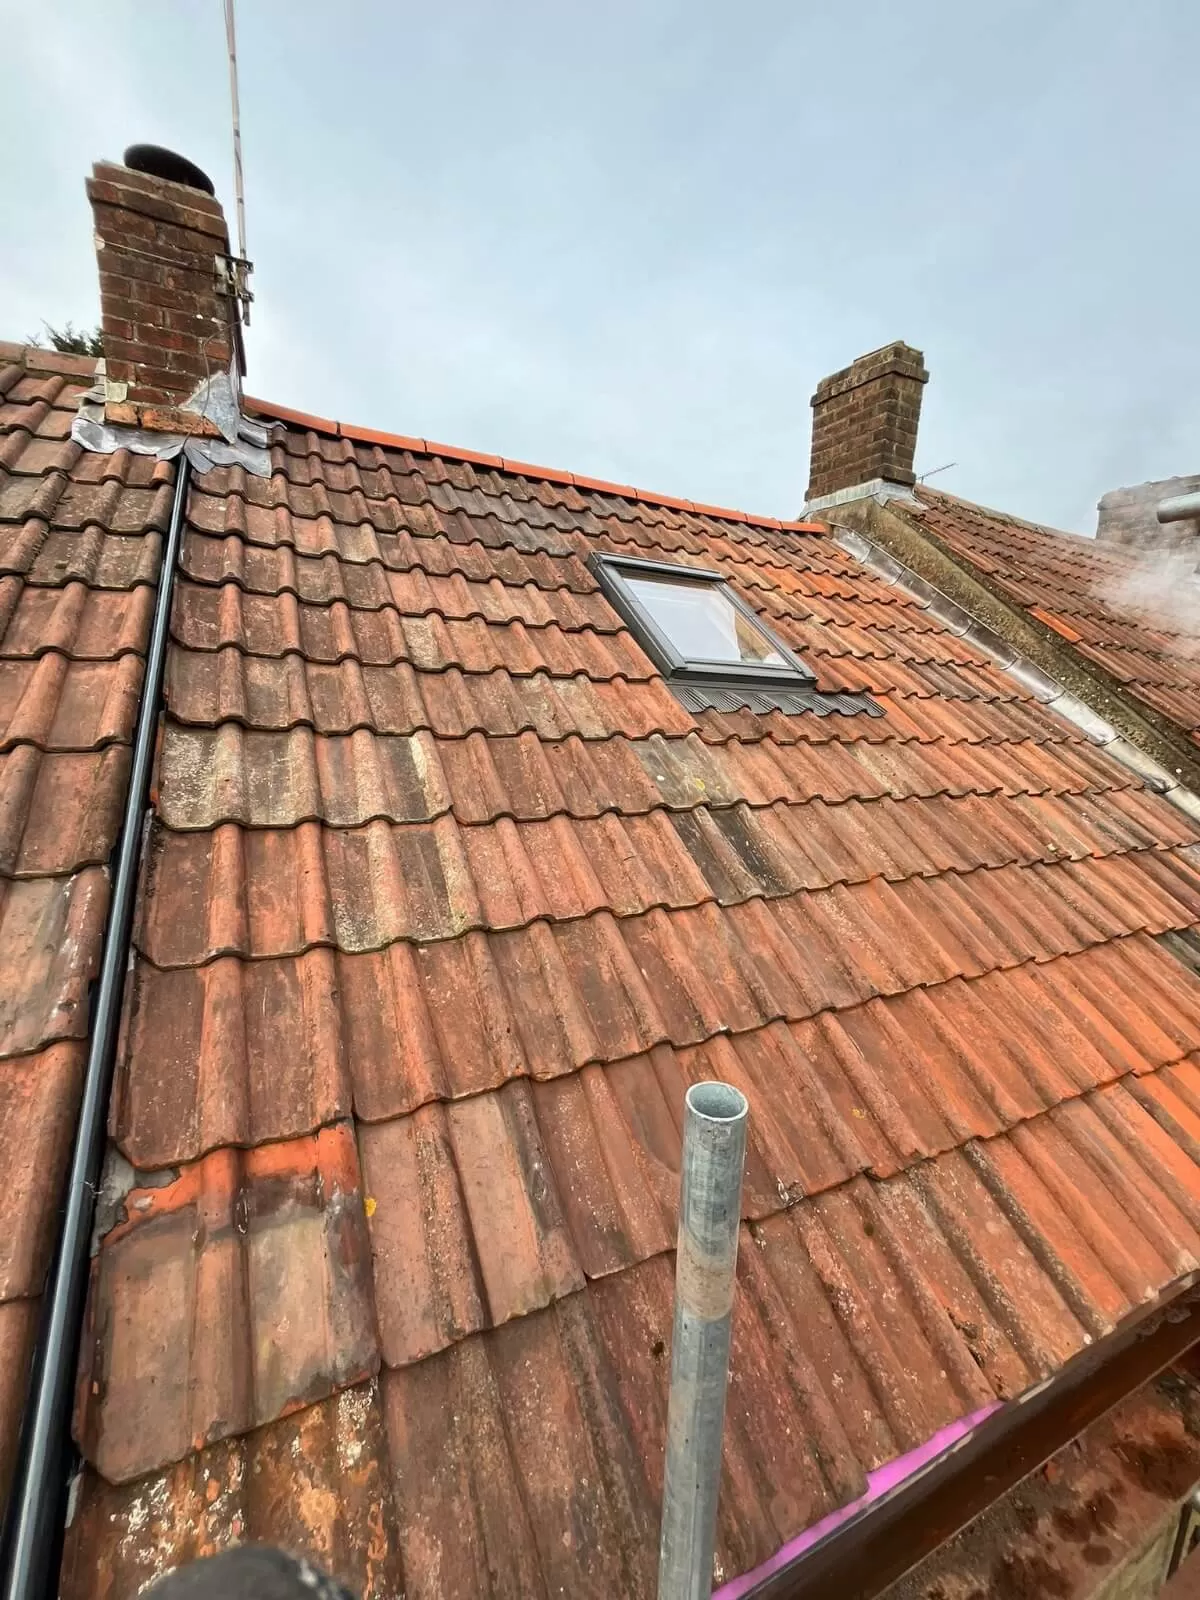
(18, 1330)
(85, 624)
(39, 1101)
(432, 853)
(59, 812)
(317, 1482)
(50, 932)
(253, 1268)
(60, 704)
(496, 1245)
(1098, 596)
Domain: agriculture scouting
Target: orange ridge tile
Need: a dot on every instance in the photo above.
(665, 500)
(604, 486)
(478, 458)
(526, 469)
(724, 512)
(395, 441)
(301, 419)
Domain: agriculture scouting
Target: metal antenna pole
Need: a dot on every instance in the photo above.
(239, 191)
(710, 1208)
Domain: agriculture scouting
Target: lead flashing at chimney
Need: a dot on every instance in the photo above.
(878, 489)
(1044, 688)
(229, 438)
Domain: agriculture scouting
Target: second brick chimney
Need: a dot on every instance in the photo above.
(865, 420)
(168, 321)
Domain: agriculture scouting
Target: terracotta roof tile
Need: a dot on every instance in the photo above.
(38, 1094)
(443, 880)
(371, 585)
(285, 692)
(59, 812)
(79, 552)
(50, 931)
(497, 1245)
(317, 1481)
(253, 1268)
(226, 1052)
(18, 1329)
(1102, 598)
(101, 560)
(269, 893)
(59, 704)
(574, 1396)
(85, 624)
(218, 618)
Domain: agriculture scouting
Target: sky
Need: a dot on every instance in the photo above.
(628, 239)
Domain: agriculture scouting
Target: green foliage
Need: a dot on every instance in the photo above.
(71, 340)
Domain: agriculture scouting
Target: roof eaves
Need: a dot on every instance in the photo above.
(524, 469)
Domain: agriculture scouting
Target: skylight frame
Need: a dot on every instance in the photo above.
(674, 666)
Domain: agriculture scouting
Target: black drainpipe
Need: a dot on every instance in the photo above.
(31, 1548)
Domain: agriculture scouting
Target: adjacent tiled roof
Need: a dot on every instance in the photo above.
(1119, 607)
(79, 552)
(446, 900)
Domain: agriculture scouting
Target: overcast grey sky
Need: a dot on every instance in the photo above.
(628, 239)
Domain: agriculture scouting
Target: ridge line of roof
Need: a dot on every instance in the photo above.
(525, 469)
(1004, 516)
(36, 358)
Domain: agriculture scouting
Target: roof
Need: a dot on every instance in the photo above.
(446, 900)
(1128, 611)
(79, 549)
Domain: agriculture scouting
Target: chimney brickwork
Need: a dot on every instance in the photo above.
(1128, 516)
(167, 323)
(865, 421)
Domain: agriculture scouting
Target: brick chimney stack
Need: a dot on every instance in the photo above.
(865, 423)
(167, 319)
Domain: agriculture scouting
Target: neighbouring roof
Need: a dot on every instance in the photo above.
(446, 900)
(1134, 612)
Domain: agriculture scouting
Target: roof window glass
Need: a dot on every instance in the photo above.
(696, 628)
(703, 623)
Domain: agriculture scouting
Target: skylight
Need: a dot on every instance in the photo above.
(695, 628)
(702, 622)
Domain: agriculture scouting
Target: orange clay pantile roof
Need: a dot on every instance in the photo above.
(446, 899)
(80, 539)
(1119, 607)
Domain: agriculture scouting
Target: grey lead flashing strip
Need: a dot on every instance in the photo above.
(698, 697)
(1040, 684)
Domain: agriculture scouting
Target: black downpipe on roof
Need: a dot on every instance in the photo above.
(30, 1551)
